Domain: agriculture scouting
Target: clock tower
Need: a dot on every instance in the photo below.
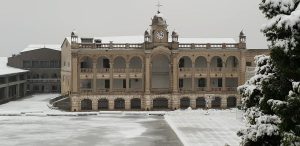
(159, 31)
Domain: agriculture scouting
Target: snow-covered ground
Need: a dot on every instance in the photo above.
(32, 122)
(196, 128)
(34, 103)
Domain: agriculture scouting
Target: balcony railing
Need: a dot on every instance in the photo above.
(102, 90)
(135, 70)
(160, 90)
(86, 70)
(216, 89)
(86, 90)
(231, 88)
(103, 70)
(119, 90)
(216, 69)
(185, 69)
(201, 89)
(43, 80)
(201, 69)
(185, 90)
(119, 70)
(233, 69)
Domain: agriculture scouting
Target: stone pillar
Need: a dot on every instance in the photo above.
(223, 77)
(193, 76)
(147, 74)
(175, 102)
(127, 77)
(6, 90)
(75, 73)
(94, 77)
(208, 76)
(223, 102)
(75, 104)
(94, 104)
(111, 104)
(111, 78)
(127, 104)
(18, 90)
(175, 73)
(193, 103)
(148, 102)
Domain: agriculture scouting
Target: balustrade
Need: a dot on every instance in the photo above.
(86, 70)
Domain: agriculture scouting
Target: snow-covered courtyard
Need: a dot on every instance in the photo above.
(197, 128)
(29, 121)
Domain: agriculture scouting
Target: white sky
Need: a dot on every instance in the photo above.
(25, 22)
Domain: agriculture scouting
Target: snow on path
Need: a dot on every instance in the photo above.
(32, 103)
(195, 128)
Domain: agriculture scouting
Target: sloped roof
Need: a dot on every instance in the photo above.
(39, 46)
(5, 70)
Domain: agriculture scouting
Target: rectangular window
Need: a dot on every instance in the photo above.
(35, 64)
(44, 64)
(22, 77)
(12, 78)
(106, 84)
(2, 80)
(248, 64)
(106, 63)
(219, 82)
(202, 82)
(219, 62)
(180, 83)
(124, 83)
(26, 64)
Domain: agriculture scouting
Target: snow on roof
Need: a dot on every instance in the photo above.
(5, 70)
(140, 39)
(39, 46)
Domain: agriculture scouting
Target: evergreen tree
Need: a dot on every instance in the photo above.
(271, 98)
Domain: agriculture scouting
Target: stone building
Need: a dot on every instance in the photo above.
(155, 71)
(12, 82)
(43, 62)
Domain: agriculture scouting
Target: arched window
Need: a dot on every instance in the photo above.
(86, 104)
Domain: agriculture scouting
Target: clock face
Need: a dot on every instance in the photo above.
(160, 35)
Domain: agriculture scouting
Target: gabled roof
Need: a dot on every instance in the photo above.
(6, 70)
(40, 46)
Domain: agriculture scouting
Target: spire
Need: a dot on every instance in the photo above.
(158, 6)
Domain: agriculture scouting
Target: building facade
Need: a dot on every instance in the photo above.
(12, 82)
(44, 64)
(155, 71)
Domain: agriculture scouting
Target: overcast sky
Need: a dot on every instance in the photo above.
(25, 22)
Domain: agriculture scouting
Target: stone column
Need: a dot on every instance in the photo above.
(193, 103)
(111, 104)
(94, 104)
(208, 76)
(75, 73)
(18, 90)
(147, 74)
(148, 102)
(175, 73)
(95, 77)
(224, 102)
(193, 76)
(223, 77)
(127, 77)
(111, 81)
(6, 90)
(127, 104)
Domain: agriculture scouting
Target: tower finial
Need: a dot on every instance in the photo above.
(158, 6)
